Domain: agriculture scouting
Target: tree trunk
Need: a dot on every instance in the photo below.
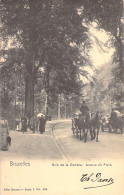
(59, 106)
(29, 88)
(22, 107)
(47, 90)
(30, 66)
(46, 104)
(29, 96)
(122, 40)
(15, 109)
(121, 60)
(65, 111)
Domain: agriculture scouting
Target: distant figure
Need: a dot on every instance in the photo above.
(17, 123)
(113, 119)
(24, 121)
(5, 139)
(84, 109)
(33, 123)
(42, 123)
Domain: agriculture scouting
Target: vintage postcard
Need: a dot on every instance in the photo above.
(61, 97)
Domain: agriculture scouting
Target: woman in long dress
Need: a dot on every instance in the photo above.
(42, 124)
(24, 121)
(5, 139)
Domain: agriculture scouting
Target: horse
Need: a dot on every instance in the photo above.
(95, 126)
(92, 121)
(75, 122)
(84, 125)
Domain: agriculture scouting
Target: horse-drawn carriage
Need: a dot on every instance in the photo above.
(82, 124)
(113, 125)
(91, 122)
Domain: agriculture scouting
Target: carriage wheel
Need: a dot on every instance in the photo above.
(110, 129)
(73, 130)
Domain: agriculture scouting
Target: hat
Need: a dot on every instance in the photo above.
(40, 115)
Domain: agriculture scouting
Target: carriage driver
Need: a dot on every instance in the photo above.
(84, 109)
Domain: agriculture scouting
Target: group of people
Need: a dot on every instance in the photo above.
(36, 123)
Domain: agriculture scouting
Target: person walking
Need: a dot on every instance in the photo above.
(42, 124)
(24, 121)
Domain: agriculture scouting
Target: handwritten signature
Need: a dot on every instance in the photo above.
(94, 178)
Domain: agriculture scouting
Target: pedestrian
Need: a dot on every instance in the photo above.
(17, 123)
(24, 121)
(42, 124)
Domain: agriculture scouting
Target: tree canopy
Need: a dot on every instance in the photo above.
(45, 41)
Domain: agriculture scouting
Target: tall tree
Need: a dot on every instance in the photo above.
(47, 40)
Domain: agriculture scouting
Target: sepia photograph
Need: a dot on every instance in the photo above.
(61, 97)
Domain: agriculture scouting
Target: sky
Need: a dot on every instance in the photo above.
(99, 56)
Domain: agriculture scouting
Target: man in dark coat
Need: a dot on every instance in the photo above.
(84, 109)
(113, 114)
